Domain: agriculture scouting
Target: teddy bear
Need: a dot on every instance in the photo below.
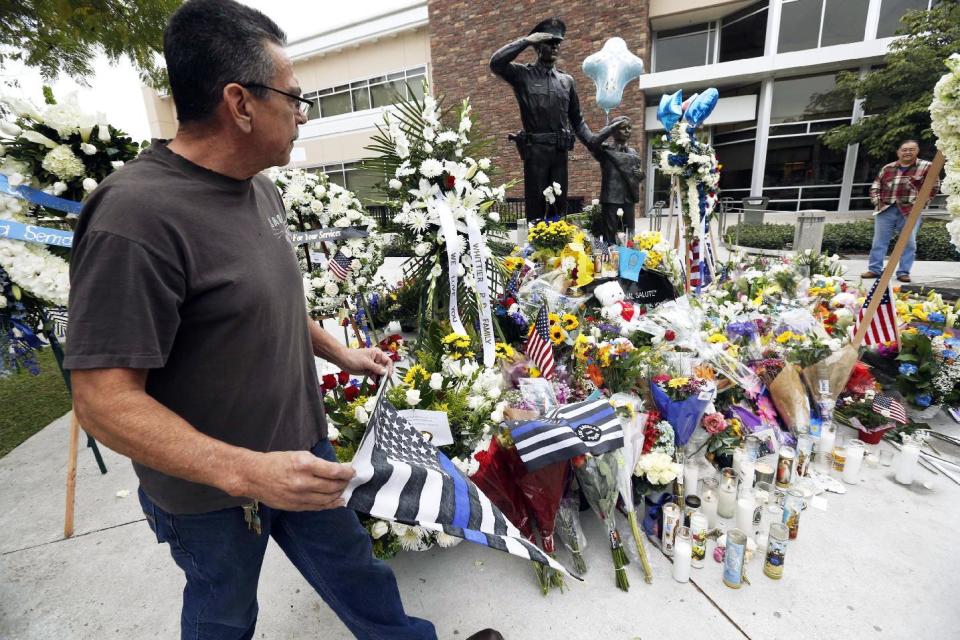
(614, 308)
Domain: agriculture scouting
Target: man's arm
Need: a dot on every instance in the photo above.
(370, 362)
(114, 408)
(875, 190)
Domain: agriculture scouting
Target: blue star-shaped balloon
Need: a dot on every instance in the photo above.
(611, 69)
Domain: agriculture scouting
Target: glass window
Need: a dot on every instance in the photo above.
(361, 99)
(385, 94)
(810, 98)
(335, 104)
(362, 182)
(844, 21)
(415, 87)
(743, 34)
(802, 160)
(682, 48)
(892, 10)
(314, 112)
(800, 25)
(737, 161)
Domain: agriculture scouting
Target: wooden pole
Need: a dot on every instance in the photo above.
(71, 474)
(912, 220)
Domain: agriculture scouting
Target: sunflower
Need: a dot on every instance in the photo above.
(414, 373)
(569, 322)
(554, 319)
(557, 335)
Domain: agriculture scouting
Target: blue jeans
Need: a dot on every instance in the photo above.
(886, 225)
(221, 559)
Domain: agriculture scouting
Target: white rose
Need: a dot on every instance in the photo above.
(493, 393)
(88, 148)
(393, 327)
(436, 381)
(379, 529)
(413, 397)
(360, 415)
(395, 184)
(474, 402)
(484, 163)
(493, 215)
(89, 184)
(331, 289)
(10, 129)
(59, 187)
(332, 433)
(103, 131)
(422, 249)
(370, 404)
(355, 264)
(116, 164)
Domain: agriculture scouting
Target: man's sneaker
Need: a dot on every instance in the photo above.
(486, 634)
(903, 277)
(869, 274)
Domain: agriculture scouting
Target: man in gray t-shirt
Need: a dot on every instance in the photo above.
(191, 351)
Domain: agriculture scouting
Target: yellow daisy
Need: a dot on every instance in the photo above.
(676, 383)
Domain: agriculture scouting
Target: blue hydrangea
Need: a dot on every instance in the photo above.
(923, 400)
(936, 316)
(908, 369)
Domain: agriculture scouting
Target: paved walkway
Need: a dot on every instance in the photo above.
(877, 563)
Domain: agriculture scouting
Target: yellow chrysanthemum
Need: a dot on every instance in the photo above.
(603, 354)
(676, 383)
(716, 338)
(569, 322)
(534, 372)
(504, 351)
(785, 337)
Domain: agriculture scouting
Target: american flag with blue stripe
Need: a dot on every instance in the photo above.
(340, 266)
(595, 422)
(403, 478)
(591, 426)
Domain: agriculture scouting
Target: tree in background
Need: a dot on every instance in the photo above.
(897, 96)
(62, 37)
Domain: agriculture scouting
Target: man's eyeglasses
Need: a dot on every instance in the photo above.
(303, 105)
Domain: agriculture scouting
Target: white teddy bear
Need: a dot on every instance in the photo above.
(615, 309)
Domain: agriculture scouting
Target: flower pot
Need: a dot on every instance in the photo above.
(922, 415)
(874, 437)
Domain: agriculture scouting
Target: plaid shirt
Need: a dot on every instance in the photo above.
(900, 186)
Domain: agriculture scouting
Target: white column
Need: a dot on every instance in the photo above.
(773, 28)
(850, 164)
(873, 20)
(763, 130)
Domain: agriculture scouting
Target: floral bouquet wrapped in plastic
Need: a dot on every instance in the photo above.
(682, 401)
(597, 477)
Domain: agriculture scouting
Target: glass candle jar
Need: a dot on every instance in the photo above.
(907, 461)
(682, 554)
(776, 550)
(851, 469)
(726, 505)
(709, 498)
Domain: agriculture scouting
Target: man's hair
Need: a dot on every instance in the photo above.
(210, 43)
(908, 141)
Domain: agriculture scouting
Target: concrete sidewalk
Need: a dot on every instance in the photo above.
(878, 562)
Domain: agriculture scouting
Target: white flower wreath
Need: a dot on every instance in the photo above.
(945, 118)
(313, 202)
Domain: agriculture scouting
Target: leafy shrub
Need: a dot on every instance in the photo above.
(847, 238)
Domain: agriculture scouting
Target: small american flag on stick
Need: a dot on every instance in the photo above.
(889, 407)
(538, 346)
(884, 327)
(340, 266)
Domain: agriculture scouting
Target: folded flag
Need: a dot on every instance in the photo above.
(543, 441)
(595, 422)
(889, 407)
(401, 477)
(340, 266)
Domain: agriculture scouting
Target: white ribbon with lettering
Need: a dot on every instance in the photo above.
(449, 229)
(477, 245)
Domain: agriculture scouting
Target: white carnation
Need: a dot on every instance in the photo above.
(379, 529)
(89, 184)
(431, 168)
(63, 163)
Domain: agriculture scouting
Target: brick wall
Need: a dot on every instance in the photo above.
(464, 34)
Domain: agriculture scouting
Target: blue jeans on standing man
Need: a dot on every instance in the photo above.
(221, 559)
(886, 225)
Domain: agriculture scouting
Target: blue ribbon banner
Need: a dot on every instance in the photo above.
(35, 196)
(11, 230)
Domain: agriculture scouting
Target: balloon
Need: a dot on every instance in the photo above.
(702, 107)
(686, 103)
(611, 69)
(670, 109)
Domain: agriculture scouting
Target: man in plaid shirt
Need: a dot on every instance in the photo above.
(893, 193)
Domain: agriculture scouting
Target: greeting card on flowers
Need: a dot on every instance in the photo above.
(434, 423)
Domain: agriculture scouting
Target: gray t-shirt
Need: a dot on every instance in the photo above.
(189, 274)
